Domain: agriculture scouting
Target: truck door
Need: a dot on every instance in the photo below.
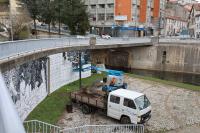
(129, 109)
(114, 107)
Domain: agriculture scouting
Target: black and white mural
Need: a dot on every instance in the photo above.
(73, 57)
(27, 84)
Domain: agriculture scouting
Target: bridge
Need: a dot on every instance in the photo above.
(34, 49)
(21, 51)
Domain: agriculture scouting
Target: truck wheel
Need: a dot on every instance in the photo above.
(125, 120)
(86, 109)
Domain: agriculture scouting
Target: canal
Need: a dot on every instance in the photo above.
(188, 78)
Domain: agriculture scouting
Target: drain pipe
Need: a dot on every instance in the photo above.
(9, 119)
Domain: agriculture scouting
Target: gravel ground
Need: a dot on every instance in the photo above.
(173, 109)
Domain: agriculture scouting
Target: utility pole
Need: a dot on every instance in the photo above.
(80, 69)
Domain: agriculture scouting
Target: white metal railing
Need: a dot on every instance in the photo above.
(9, 119)
(106, 129)
(35, 126)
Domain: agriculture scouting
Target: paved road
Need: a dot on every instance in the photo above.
(10, 49)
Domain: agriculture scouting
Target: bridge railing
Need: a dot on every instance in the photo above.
(12, 49)
(16, 48)
(35, 126)
(178, 40)
(106, 129)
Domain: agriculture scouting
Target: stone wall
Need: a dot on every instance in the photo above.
(31, 82)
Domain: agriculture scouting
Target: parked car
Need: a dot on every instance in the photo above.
(106, 36)
(80, 37)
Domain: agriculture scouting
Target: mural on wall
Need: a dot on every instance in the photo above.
(30, 73)
(73, 57)
(27, 85)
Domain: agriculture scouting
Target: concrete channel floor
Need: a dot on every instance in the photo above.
(174, 110)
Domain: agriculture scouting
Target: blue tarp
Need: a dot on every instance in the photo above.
(129, 28)
(109, 72)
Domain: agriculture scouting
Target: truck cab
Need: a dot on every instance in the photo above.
(128, 106)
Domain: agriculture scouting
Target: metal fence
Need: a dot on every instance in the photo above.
(35, 126)
(106, 129)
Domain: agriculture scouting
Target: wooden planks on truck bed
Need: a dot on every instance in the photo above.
(95, 100)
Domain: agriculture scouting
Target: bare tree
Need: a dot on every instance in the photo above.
(20, 25)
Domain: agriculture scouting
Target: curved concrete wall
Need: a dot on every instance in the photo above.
(31, 82)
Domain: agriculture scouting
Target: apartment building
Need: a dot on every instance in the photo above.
(176, 18)
(197, 20)
(194, 21)
(125, 17)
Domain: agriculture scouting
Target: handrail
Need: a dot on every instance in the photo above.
(9, 119)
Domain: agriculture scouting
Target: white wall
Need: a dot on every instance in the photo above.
(61, 72)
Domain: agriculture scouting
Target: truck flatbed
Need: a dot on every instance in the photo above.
(95, 99)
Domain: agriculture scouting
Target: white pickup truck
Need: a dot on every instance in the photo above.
(124, 105)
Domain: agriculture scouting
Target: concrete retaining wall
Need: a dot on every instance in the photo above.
(172, 58)
(31, 82)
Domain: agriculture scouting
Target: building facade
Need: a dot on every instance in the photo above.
(120, 18)
(184, 2)
(176, 19)
(197, 20)
(194, 21)
(174, 26)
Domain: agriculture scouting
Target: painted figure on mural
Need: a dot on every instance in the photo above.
(30, 74)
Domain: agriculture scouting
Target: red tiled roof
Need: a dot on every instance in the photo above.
(197, 7)
(176, 18)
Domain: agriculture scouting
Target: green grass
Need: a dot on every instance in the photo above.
(53, 106)
(4, 1)
(172, 83)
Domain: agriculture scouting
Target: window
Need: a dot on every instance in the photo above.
(110, 16)
(111, 5)
(142, 102)
(114, 99)
(101, 16)
(164, 56)
(93, 6)
(129, 103)
(102, 5)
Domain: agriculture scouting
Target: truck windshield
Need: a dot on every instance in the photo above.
(142, 102)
